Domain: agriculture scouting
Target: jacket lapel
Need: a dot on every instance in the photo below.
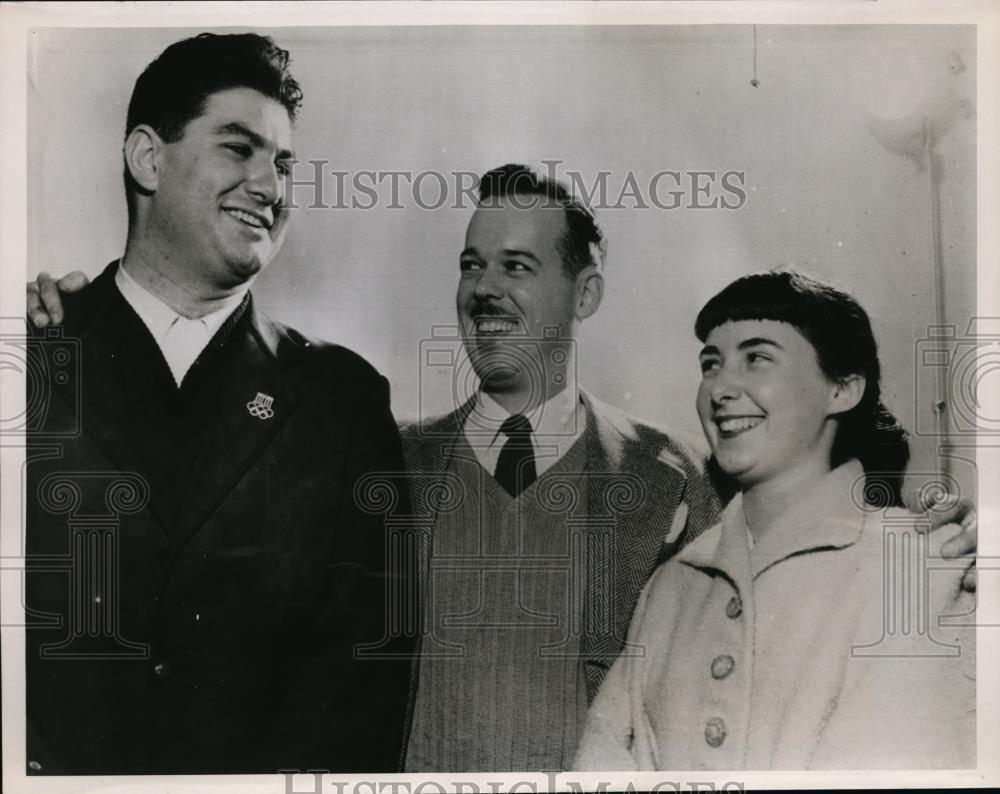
(256, 397)
(632, 496)
(427, 449)
(99, 323)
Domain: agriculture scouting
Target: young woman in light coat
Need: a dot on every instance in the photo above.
(815, 626)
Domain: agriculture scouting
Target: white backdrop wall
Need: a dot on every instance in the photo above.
(835, 181)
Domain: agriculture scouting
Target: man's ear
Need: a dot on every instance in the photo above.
(142, 156)
(847, 393)
(589, 291)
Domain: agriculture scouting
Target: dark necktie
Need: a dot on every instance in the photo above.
(516, 465)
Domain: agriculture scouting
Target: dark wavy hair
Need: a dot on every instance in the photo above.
(841, 333)
(583, 244)
(174, 88)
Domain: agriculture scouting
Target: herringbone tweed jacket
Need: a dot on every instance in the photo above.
(643, 486)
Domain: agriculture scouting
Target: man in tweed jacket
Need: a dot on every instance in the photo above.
(571, 539)
(667, 495)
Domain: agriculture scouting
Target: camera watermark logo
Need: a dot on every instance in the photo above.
(48, 362)
(542, 365)
(952, 366)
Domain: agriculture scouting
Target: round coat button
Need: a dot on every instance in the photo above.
(734, 608)
(715, 732)
(722, 665)
(162, 670)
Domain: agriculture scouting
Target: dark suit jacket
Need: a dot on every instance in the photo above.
(641, 483)
(220, 634)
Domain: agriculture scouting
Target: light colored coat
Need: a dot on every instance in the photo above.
(827, 645)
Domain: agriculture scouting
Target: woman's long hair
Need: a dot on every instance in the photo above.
(841, 333)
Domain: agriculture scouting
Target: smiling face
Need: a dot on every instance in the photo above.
(517, 306)
(766, 407)
(216, 202)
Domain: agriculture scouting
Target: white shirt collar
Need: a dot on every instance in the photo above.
(556, 416)
(159, 318)
(556, 425)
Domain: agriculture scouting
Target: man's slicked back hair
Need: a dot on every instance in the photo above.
(172, 90)
(583, 244)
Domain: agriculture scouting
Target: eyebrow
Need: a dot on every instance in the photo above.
(235, 128)
(473, 251)
(756, 341)
(519, 252)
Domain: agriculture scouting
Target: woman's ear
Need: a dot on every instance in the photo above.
(847, 393)
(142, 149)
(590, 291)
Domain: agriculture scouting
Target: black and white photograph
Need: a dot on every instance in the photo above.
(492, 397)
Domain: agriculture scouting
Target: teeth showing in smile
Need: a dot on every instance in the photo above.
(739, 423)
(492, 325)
(246, 217)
